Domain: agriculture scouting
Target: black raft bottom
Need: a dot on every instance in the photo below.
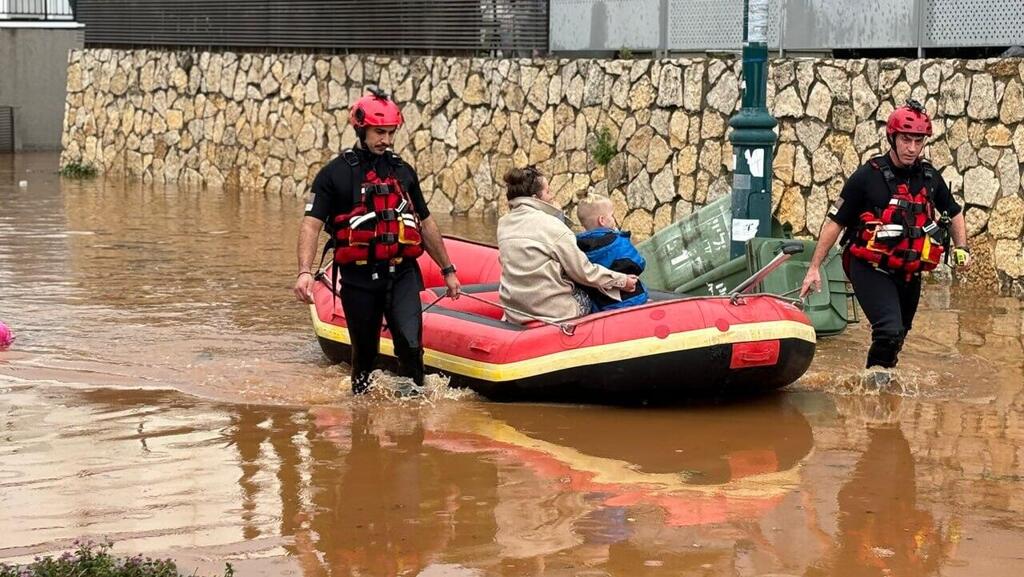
(671, 378)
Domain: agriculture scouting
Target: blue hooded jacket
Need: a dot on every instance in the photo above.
(612, 249)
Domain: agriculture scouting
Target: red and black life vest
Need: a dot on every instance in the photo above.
(902, 236)
(382, 225)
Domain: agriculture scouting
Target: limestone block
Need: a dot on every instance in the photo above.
(670, 86)
(792, 208)
(980, 186)
(693, 87)
(810, 132)
(1012, 109)
(976, 219)
(639, 194)
(1009, 258)
(664, 186)
(658, 155)
(782, 165)
(820, 102)
(724, 95)
(982, 104)
(1007, 218)
(954, 95)
(680, 123)
(788, 104)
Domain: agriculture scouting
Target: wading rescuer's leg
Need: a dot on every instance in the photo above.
(879, 294)
(405, 320)
(364, 312)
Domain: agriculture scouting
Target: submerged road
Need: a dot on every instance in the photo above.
(166, 392)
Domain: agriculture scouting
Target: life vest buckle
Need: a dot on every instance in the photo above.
(377, 188)
(909, 255)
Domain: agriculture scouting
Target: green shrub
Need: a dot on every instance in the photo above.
(78, 170)
(604, 148)
(94, 560)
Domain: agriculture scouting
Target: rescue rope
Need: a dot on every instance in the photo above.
(568, 329)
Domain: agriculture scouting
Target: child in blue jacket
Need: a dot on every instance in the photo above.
(606, 245)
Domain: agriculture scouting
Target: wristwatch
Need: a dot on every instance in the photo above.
(450, 269)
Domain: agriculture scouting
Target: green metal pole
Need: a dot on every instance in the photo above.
(753, 140)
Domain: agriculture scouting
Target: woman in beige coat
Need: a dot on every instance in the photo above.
(540, 262)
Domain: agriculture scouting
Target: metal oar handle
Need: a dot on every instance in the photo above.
(788, 249)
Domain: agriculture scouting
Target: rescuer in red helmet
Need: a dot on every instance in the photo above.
(898, 215)
(369, 202)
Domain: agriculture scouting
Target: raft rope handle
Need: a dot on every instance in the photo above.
(437, 300)
(568, 329)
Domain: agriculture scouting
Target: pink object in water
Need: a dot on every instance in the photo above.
(6, 338)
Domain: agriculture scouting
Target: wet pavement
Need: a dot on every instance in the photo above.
(166, 392)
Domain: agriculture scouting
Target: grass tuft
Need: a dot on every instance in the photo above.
(91, 559)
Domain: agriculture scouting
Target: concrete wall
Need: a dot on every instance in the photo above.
(33, 79)
(270, 121)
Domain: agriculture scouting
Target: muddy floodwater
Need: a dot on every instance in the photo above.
(166, 392)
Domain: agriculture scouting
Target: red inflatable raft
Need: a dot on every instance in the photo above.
(671, 349)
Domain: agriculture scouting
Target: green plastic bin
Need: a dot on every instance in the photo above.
(830, 309)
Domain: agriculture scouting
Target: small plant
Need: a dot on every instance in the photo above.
(78, 170)
(625, 53)
(604, 148)
(94, 560)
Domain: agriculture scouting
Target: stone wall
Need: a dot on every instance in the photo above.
(268, 121)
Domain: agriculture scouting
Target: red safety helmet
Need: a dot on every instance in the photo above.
(375, 109)
(910, 118)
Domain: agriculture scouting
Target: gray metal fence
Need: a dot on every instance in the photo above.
(414, 26)
(6, 129)
(808, 25)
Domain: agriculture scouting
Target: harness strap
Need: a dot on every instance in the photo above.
(881, 164)
(356, 171)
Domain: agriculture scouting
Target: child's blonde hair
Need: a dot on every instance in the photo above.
(591, 207)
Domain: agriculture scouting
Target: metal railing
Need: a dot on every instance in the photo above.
(513, 27)
(37, 10)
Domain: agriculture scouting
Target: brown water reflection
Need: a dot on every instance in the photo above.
(165, 392)
(796, 484)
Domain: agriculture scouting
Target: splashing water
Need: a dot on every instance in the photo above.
(903, 382)
(386, 387)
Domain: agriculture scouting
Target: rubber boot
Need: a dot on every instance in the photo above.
(410, 365)
(899, 346)
(884, 352)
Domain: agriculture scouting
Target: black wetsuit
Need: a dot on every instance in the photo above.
(889, 299)
(376, 291)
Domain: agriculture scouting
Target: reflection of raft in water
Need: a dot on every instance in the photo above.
(700, 466)
(669, 349)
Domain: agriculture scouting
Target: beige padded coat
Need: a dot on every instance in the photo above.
(540, 261)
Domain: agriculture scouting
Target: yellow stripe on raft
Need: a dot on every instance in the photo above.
(482, 370)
